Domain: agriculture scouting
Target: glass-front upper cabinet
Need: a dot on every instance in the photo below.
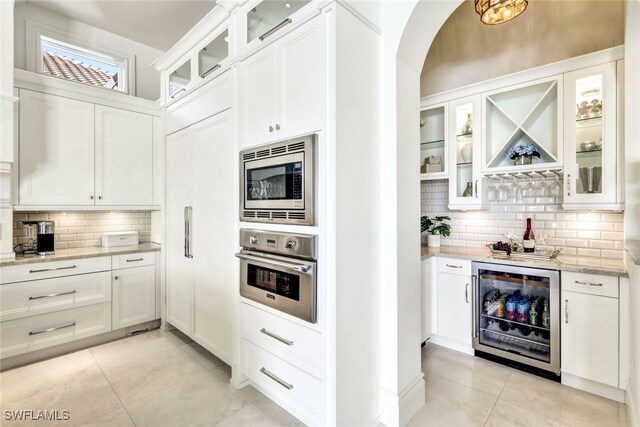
(269, 16)
(465, 179)
(211, 56)
(433, 147)
(179, 79)
(591, 148)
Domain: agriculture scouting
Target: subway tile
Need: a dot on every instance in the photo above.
(555, 225)
(76, 230)
(553, 208)
(588, 216)
(618, 227)
(588, 234)
(60, 245)
(95, 242)
(601, 244)
(566, 217)
(612, 217)
(555, 241)
(93, 229)
(472, 244)
(544, 201)
(535, 208)
(578, 243)
(66, 237)
(545, 217)
(84, 236)
(76, 215)
(569, 251)
(589, 252)
(612, 254)
(76, 244)
(125, 227)
(66, 223)
(604, 226)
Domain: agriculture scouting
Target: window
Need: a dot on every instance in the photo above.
(64, 60)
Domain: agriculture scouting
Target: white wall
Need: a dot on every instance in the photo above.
(147, 78)
(466, 51)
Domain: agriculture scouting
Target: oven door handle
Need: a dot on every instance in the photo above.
(301, 268)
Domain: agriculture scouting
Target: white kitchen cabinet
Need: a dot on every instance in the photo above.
(428, 275)
(465, 179)
(83, 155)
(433, 142)
(124, 157)
(134, 296)
(282, 87)
(201, 285)
(592, 157)
(56, 160)
(451, 303)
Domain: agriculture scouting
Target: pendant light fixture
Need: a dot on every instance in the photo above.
(493, 12)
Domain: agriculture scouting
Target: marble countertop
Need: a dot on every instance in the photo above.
(633, 247)
(76, 253)
(589, 265)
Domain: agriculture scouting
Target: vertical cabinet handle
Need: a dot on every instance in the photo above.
(188, 230)
(90, 197)
(466, 293)
(99, 197)
(566, 311)
(568, 184)
(474, 332)
(476, 189)
(277, 126)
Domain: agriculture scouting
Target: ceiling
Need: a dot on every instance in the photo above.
(156, 23)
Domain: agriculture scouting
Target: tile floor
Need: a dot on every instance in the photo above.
(467, 391)
(165, 379)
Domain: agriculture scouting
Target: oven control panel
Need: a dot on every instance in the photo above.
(298, 245)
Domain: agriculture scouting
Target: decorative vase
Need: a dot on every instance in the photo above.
(433, 240)
(466, 152)
(468, 191)
(467, 129)
(523, 160)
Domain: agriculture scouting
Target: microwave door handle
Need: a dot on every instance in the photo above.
(300, 268)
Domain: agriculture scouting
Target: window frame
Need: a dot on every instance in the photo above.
(66, 41)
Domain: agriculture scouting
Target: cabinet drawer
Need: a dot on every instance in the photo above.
(24, 299)
(292, 385)
(460, 267)
(292, 342)
(47, 270)
(37, 332)
(590, 284)
(134, 260)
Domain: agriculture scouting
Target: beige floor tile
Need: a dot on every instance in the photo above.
(253, 398)
(202, 355)
(559, 402)
(624, 415)
(449, 403)
(117, 418)
(251, 415)
(204, 399)
(505, 414)
(474, 372)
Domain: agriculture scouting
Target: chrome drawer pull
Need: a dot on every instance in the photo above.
(587, 283)
(276, 337)
(274, 29)
(277, 379)
(52, 329)
(53, 269)
(566, 311)
(210, 70)
(136, 259)
(52, 295)
(454, 266)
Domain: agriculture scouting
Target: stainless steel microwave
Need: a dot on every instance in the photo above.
(277, 182)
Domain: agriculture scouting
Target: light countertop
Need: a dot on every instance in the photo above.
(589, 265)
(76, 253)
(633, 247)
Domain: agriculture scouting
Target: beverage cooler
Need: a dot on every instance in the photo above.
(516, 314)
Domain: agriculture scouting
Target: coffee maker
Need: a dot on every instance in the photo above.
(46, 237)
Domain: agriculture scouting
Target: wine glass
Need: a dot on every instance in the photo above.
(557, 187)
(492, 188)
(503, 191)
(517, 189)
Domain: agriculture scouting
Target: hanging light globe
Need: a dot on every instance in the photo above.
(493, 12)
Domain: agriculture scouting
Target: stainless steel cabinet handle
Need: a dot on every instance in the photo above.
(42, 331)
(577, 282)
(274, 29)
(210, 70)
(476, 189)
(568, 184)
(90, 197)
(302, 268)
(187, 231)
(276, 337)
(454, 266)
(566, 311)
(135, 260)
(277, 126)
(270, 128)
(277, 379)
(178, 92)
(474, 332)
(53, 269)
(99, 197)
(466, 293)
(52, 295)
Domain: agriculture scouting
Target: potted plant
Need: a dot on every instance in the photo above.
(523, 154)
(435, 228)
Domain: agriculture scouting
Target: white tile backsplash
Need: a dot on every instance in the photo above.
(84, 229)
(577, 233)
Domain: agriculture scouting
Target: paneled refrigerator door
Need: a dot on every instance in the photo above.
(516, 314)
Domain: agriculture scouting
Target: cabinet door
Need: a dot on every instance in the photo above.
(301, 72)
(56, 150)
(214, 222)
(134, 296)
(179, 266)
(454, 307)
(465, 179)
(589, 337)
(258, 97)
(590, 136)
(124, 157)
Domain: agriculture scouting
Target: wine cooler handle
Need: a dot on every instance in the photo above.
(474, 333)
(566, 311)
(466, 293)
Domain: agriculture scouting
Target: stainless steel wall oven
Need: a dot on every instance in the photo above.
(277, 182)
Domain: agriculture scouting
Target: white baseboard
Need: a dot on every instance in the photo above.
(397, 409)
(592, 387)
(634, 412)
(452, 344)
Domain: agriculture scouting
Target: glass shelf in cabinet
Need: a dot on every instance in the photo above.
(464, 136)
(464, 164)
(436, 142)
(589, 151)
(588, 119)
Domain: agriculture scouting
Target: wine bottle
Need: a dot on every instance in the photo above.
(529, 242)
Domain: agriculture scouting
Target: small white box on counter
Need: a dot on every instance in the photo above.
(120, 238)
